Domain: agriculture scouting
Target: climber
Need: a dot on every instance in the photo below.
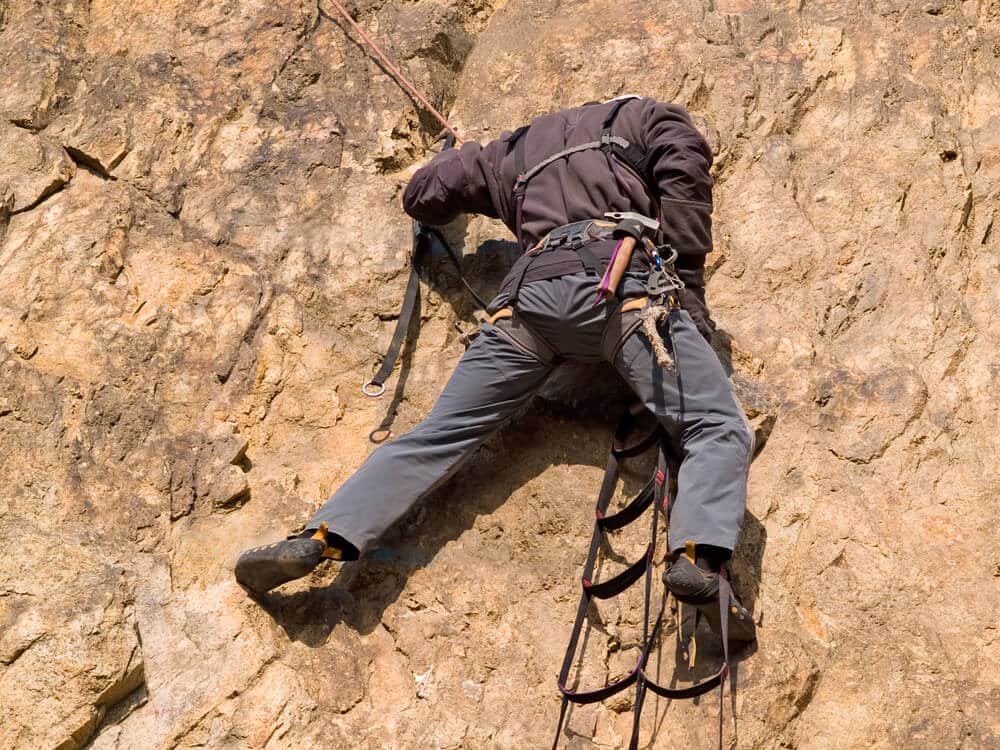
(576, 293)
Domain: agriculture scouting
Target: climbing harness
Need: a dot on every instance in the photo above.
(575, 236)
(613, 146)
(657, 494)
(631, 230)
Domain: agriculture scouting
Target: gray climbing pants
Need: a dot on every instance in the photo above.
(496, 377)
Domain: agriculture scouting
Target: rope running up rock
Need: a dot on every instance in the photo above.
(401, 79)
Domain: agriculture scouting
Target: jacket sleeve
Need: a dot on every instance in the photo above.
(464, 180)
(678, 159)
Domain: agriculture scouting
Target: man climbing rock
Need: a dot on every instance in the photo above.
(611, 204)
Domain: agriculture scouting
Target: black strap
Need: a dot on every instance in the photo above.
(517, 138)
(623, 580)
(520, 182)
(620, 450)
(630, 512)
(423, 238)
(699, 688)
(411, 300)
(591, 262)
(632, 155)
(617, 584)
(583, 697)
(515, 287)
(658, 491)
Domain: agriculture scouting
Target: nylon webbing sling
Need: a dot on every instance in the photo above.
(423, 238)
(656, 494)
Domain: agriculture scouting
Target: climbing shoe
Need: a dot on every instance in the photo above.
(700, 588)
(261, 569)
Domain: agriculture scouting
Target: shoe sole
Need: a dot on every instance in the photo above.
(262, 569)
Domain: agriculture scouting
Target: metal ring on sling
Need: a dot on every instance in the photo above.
(373, 393)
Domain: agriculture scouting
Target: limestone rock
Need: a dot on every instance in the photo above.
(201, 257)
(32, 167)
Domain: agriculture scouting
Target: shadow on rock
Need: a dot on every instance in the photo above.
(359, 593)
(748, 561)
(758, 401)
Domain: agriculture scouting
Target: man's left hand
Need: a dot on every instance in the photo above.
(692, 299)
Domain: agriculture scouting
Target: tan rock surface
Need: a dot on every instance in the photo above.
(201, 254)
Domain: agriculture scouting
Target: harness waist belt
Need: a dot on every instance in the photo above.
(581, 246)
(575, 234)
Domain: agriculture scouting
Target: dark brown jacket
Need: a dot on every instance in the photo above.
(479, 179)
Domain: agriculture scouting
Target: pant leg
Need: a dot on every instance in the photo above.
(697, 406)
(492, 381)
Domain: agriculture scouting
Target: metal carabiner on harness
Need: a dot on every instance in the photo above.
(663, 279)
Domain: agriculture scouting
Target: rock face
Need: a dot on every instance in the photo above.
(201, 253)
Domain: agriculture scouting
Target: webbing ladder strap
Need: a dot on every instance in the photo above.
(655, 493)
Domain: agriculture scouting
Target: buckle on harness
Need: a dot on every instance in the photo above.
(576, 233)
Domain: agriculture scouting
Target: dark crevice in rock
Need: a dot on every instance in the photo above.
(801, 105)
(117, 713)
(116, 702)
(263, 307)
(303, 39)
(24, 125)
(442, 49)
(56, 186)
(963, 221)
(90, 164)
(6, 206)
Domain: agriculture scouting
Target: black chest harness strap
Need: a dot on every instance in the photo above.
(629, 153)
(656, 493)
